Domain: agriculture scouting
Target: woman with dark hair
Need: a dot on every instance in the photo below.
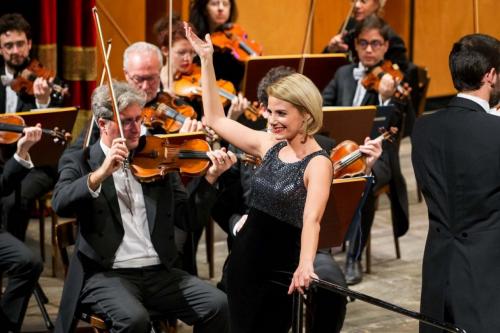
(209, 16)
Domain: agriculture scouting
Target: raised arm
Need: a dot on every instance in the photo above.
(248, 140)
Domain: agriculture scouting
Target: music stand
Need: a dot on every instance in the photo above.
(348, 123)
(47, 152)
(320, 68)
(345, 196)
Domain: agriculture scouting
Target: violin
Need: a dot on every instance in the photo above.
(23, 82)
(189, 86)
(156, 156)
(371, 81)
(166, 114)
(12, 126)
(349, 161)
(233, 38)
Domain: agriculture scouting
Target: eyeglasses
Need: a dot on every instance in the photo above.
(375, 44)
(140, 79)
(10, 45)
(129, 122)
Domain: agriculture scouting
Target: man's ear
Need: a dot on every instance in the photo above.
(490, 77)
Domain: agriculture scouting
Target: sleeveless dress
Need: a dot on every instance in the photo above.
(267, 245)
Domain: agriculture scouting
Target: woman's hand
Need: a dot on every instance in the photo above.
(238, 105)
(204, 49)
(302, 277)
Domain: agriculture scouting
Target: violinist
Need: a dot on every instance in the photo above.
(15, 47)
(124, 270)
(346, 89)
(186, 72)
(209, 16)
(21, 266)
(344, 41)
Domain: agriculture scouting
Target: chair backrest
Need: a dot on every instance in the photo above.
(65, 238)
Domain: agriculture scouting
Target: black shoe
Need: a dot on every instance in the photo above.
(353, 272)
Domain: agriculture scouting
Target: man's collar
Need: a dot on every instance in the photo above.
(483, 103)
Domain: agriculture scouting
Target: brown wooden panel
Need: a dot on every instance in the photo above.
(438, 24)
(278, 25)
(489, 11)
(130, 19)
(328, 19)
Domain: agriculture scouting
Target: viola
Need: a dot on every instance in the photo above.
(12, 126)
(233, 38)
(156, 156)
(166, 114)
(371, 81)
(189, 86)
(349, 161)
(23, 82)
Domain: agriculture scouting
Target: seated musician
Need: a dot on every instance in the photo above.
(186, 74)
(344, 41)
(21, 266)
(208, 17)
(231, 212)
(15, 46)
(123, 266)
(346, 89)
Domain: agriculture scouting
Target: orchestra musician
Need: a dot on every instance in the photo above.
(346, 89)
(344, 41)
(455, 158)
(185, 70)
(21, 266)
(123, 267)
(209, 16)
(15, 47)
(287, 199)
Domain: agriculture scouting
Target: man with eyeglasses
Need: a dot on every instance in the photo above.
(123, 268)
(15, 47)
(346, 89)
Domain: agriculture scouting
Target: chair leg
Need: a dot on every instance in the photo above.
(209, 239)
(41, 300)
(396, 245)
(368, 255)
(54, 221)
(41, 224)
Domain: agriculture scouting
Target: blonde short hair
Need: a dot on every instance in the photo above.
(301, 92)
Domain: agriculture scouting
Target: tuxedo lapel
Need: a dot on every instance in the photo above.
(350, 87)
(96, 157)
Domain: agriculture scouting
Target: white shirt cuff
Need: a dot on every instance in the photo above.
(97, 192)
(25, 163)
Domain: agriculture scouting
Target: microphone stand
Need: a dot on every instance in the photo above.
(298, 306)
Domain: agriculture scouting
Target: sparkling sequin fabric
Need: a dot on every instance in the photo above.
(278, 188)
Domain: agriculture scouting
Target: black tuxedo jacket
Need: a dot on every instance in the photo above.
(340, 92)
(456, 158)
(99, 219)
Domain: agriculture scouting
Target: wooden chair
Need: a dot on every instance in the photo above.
(368, 261)
(42, 209)
(65, 237)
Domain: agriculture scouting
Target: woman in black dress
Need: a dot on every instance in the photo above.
(289, 195)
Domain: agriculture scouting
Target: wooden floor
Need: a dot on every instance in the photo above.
(393, 280)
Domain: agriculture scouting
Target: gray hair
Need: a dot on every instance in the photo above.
(125, 94)
(142, 48)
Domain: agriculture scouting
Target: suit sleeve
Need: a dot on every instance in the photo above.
(71, 190)
(330, 92)
(13, 173)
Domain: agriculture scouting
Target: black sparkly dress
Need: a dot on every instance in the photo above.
(268, 243)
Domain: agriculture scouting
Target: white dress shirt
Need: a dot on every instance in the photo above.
(136, 249)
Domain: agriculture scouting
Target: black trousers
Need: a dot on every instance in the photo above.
(16, 207)
(127, 298)
(22, 268)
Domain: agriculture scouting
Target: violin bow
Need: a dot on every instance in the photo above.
(101, 82)
(349, 14)
(169, 58)
(108, 72)
(312, 5)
